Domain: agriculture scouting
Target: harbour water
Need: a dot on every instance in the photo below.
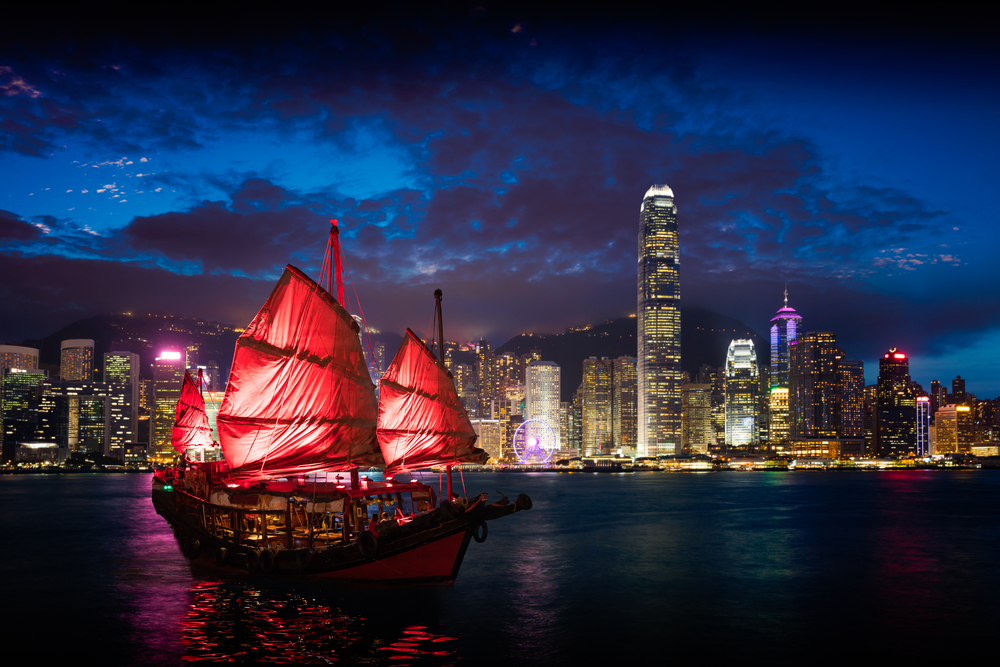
(775, 566)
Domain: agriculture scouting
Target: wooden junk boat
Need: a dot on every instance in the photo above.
(299, 419)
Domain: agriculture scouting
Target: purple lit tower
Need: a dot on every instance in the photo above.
(785, 326)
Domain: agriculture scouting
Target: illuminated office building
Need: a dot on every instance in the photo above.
(785, 326)
(923, 425)
(597, 406)
(955, 429)
(814, 395)
(659, 324)
(76, 360)
(696, 417)
(624, 405)
(778, 407)
(741, 394)
(168, 378)
(851, 374)
(19, 399)
(825, 398)
(76, 364)
(16, 356)
(121, 375)
(541, 398)
(895, 407)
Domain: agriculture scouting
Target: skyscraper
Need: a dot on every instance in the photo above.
(696, 417)
(121, 374)
(785, 326)
(814, 396)
(923, 425)
(76, 363)
(741, 394)
(597, 406)
(895, 408)
(168, 378)
(624, 405)
(659, 323)
(541, 397)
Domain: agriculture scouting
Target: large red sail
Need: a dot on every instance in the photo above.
(421, 421)
(191, 427)
(299, 398)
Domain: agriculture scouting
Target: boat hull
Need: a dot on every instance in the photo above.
(429, 549)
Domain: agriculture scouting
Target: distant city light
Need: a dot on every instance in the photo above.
(168, 354)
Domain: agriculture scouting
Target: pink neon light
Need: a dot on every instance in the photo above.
(899, 356)
(923, 399)
(170, 355)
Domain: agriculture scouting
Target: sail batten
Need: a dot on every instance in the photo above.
(299, 397)
(421, 420)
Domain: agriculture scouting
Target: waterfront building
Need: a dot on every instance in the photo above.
(576, 424)
(955, 429)
(851, 375)
(168, 378)
(121, 374)
(624, 401)
(659, 324)
(719, 406)
(741, 394)
(696, 417)
(597, 406)
(826, 396)
(17, 356)
(541, 398)
(76, 364)
(19, 400)
(778, 408)
(785, 326)
(814, 396)
(490, 438)
(923, 426)
(895, 408)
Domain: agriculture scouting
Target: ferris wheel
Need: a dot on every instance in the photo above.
(534, 442)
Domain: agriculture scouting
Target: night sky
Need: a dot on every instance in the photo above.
(171, 165)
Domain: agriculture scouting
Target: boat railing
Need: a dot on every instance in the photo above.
(250, 525)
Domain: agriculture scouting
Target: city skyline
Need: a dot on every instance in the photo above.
(499, 156)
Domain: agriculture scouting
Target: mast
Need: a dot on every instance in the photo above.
(332, 272)
(440, 322)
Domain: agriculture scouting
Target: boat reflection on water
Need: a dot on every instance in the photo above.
(247, 623)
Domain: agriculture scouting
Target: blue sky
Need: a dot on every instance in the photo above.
(501, 153)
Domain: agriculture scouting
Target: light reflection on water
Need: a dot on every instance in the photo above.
(241, 621)
(603, 568)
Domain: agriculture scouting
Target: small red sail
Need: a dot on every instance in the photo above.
(299, 398)
(191, 427)
(421, 421)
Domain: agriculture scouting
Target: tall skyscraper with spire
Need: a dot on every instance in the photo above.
(785, 326)
(659, 322)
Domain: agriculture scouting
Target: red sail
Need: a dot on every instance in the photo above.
(421, 421)
(191, 427)
(299, 398)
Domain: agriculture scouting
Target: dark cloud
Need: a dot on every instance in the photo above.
(12, 228)
(527, 164)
